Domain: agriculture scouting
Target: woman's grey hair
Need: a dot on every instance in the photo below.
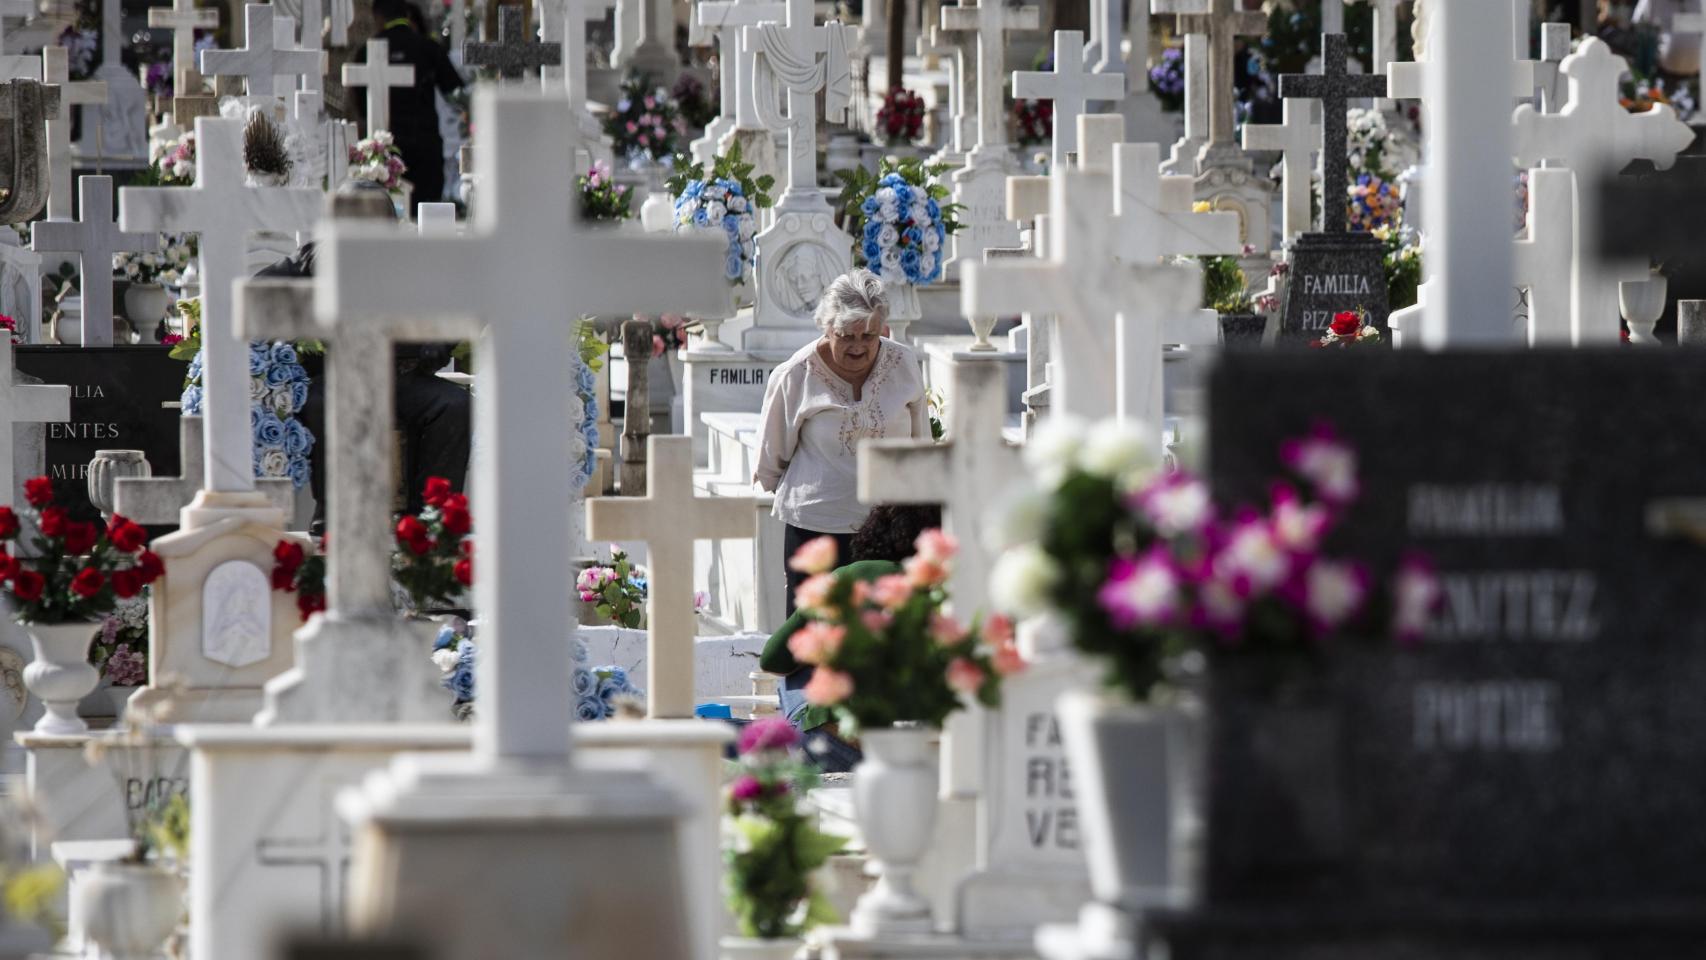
(851, 302)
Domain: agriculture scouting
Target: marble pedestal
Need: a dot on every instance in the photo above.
(74, 800)
(1227, 180)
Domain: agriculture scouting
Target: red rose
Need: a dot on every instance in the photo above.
(80, 537)
(289, 556)
(125, 535)
(54, 520)
(150, 566)
(1346, 324)
(8, 523)
(8, 567)
(27, 585)
(456, 501)
(308, 604)
(412, 533)
(468, 548)
(127, 583)
(87, 582)
(283, 579)
(38, 491)
(436, 489)
(456, 521)
(464, 572)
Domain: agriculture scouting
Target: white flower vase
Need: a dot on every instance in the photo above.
(106, 468)
(753, 948)
(1643, 303)
(60, 674)
(981, 328)
(894, 802)
(904, 310)
(129, 909)
(657, 214)
(145, 306)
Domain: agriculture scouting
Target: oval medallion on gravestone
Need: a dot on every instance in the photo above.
(236, 614)
(803, 271)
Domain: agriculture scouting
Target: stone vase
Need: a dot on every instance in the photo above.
(129, 909)
(60, 674)
(1643, 303)
(753, 948)
(894, 803)
(107, 467)
(145, 306)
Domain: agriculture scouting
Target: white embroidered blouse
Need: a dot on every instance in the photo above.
(811, 426)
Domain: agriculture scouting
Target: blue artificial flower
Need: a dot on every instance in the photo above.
(269, 432)
(259, 358)
(872, 252)
(933, 209)
(873, 230)
(460, 681)
(732, 267)
(909, 263)
(590, 710)
(701, 217)
(870, 207)
(612, 675)
(891, 180)
(191, 398)
(282, 352)
(580, 654)
(195, 366)
(256, 412)
(298, 439)
(586, 685)
(280, 374)
(731, 226)
(297, 470)
(912, 237)
(693, 190)
(298, 395)
(446, 638)
(586, 382)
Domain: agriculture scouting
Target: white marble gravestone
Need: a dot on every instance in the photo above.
(160, 501)
(23, 403)
(1297, 138)
(261, 61)
(183, 18)
(92, 241)
(17, 66)
(379, 77)
(118, 130)
(55, 69)
(1071, 89)
(593, 856)
(981, 187)
(1544, 257)
(669, 519)
(757, 144)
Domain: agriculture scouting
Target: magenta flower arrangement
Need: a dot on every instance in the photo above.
(1144, 566)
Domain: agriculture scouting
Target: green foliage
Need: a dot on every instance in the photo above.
(1402, 257)
(617, 590)
(590, 344)
(776, 847)
(726, 166)
(167, 828)
(1224, 287)
(602, 199)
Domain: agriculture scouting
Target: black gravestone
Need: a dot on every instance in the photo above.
(116, 397)
(1333, 273)
(1528, 780)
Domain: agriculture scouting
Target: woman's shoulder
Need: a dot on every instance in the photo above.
(796, 365)
(903, 360)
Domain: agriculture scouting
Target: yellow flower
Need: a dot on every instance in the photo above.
(1202, 206)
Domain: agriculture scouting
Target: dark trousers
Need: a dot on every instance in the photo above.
(436, 419)
(792, 539)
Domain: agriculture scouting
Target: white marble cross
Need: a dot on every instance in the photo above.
(262, 60)
(55, 69)
(1405, 82)
(669, 519)
(1549, 80)
(1594, 137)
(1543, 258)
(1069, 86)
(183, 18)
(516, 273)
(1104, 51)
(223, 210)
(1385, 31)
(1297, 138)
(379, 76)
(24, 403)
(160, 500)
(993, 20)
(93, 240)
(805, 58)
(17, 66)
(726, 18)
(1222, 24)
(966, 473)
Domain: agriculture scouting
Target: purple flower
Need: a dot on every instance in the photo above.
(1174, 504)
(1298, 526)
(1141, 591)
(769, 733)
(1251, 562)
(1327, 462)
(1415, 595)
(746, 787)
(1330, 592)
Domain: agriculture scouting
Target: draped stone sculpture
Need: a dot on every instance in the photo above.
(25, 106)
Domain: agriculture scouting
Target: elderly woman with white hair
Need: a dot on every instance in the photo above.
(850, 384)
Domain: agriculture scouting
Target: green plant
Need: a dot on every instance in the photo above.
(1401, 254)
(729, 166)
(168, 827)
(616, 589)
(1224, 287)
(602, 198)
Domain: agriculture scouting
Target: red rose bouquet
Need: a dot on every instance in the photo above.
(434, 561)
(901, 117)
(297, 571)
(1033, 121)
(1349, 329)
(80, 570)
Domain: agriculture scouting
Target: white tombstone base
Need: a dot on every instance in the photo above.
(1101, 933)
(76, 800)
(211, 506)
(335, 660)
(840, 943)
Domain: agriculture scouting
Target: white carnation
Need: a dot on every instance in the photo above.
(918, 214)
(737, 204)
(747, 227)
(1053, 447)
(1115, 448)
(1020, 583)
(445, 659)
(890, 260)
(715, 212)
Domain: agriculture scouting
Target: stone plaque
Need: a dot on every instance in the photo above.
(1525, 781)
(236, 605)
(1333, 273)
(116, 397)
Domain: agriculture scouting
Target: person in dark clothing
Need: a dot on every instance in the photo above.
(434, 415)
(874, 550)
(414, 111)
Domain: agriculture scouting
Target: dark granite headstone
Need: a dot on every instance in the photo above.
(1528, 780)
(1242, 330)
(116, 397)
(1335, 86)
(515, 51)
(1332, 273)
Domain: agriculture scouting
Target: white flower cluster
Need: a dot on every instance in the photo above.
(165, 265)
(1372, 147)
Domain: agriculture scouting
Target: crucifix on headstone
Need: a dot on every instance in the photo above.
(515, 51)
(24, 403)
(522, 266)
(1542, 259)
(1297, 138)
(669, 519)
(92, 240)
(1223, 24)
(261, 60)
(223, 211)
(1335, 87)
(379, 76)
(806, 58)
(1069, 86)
(16, 66)
(183, 18)
(55, 69)
(725, 18)
(1105, 51)
(637, 407)
(740, 14)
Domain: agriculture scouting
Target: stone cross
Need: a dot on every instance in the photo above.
(961, 52)
(1069, 86)
(24, 403)
(522, 266)
(223, 211)
(56, 70)
(993, 20)
(1544, 257)
(669, 519)
(807, 58)
(313, 22)
(1335, 87)
(1549, 80)
(16, 66)
(1104, 51)
(183, 18)
(261, 61)
(1297, 139)
(1223, 24)
(514, 52)
(637, 408)
(1385, 31)
(1404, 80)
(93, 240)
(158, 500)
(1594, 136)
(965, 473)
(379, 77)
(725, 18)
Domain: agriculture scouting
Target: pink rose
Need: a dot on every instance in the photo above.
(814, 593)
(828, 687)
(876, 621)
(816, 642)
(922, 572)
(814, 556)
(998, 631)
(1007, 660)
(936, 546)
(768, 733)
(964, 676)
(946, 630)
(746, 788)
(891, 592)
